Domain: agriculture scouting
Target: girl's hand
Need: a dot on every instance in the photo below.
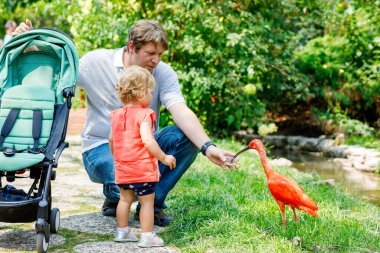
(170, 161)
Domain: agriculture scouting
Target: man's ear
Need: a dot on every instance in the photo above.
(131, 47)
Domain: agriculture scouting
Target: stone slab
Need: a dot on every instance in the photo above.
(98, 224)
(112, 247)
(24, 240)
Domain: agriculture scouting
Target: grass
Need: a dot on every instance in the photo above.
(364, 141)
(223, 211)
(233, 211)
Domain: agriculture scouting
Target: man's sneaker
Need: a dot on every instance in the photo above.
(160, 218)
(109, 208)
(150, 241)
(125, 236)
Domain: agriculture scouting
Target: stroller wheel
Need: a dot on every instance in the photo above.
(55, 220)
(53, 175)
(42, 244)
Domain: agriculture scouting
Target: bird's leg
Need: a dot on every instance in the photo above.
(295, 215)
(283, 219)
(282, 208)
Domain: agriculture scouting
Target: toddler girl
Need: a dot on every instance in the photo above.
(136, 153)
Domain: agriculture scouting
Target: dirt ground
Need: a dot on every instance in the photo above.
(77, 119)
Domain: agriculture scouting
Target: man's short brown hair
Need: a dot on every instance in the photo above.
(147, 31)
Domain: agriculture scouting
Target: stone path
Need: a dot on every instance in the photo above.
(77, 120)
(112, 247)
(79, 201)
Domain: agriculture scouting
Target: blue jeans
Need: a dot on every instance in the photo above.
(99, 164)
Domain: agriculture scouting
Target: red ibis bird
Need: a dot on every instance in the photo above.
(283, 189)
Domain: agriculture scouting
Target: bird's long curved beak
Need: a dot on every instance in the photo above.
(241, 151)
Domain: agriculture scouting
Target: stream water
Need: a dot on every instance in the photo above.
(360, 184)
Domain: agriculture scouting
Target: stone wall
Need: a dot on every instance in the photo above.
(348, 156)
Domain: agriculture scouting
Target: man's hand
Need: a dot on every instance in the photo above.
(221, 157)
(23, 27)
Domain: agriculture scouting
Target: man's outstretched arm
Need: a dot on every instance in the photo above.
(188, 122)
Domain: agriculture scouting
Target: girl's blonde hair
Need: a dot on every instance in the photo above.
(134, 84)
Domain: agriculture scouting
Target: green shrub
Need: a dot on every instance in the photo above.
(344, 64)
(297, 54)
(338, 122)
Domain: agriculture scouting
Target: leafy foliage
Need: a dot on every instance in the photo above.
(344, 64)
(335, 122)
(296, 54)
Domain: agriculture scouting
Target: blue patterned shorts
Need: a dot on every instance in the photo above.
(142, 189)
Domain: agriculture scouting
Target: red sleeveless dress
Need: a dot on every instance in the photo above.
(133, 162)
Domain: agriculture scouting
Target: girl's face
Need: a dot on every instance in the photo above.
(147, 99)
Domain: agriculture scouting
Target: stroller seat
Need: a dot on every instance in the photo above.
(38, 74)
(34, 106)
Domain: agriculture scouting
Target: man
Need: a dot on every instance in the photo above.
(99, 72)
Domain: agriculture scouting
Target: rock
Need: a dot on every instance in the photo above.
(25, 240)
(330, 181)
(339, 139)
(293, 148)
(354, 151)
(280, 162)
(372, 153)
(278, 141)
(297, 241)
(244, 135)
(309, 144)
(373, 163)
(98, 224)
(325, 144)
(316, 154)
(353, 157)
(342, 162)
(363, 167)
(294, 140)
(112, 247)
(337, 151)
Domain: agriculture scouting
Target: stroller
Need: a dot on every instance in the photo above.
(38, 73)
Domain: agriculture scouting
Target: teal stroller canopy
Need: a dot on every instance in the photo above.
(38, 69)
(38, 73)
(55, 54)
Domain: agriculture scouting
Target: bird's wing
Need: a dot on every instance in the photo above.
(287, 180)
(285, 191)
(291, 181)
(289, 192)
(308, 203)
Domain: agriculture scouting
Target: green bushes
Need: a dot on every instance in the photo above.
(344, 65)
(297, 54)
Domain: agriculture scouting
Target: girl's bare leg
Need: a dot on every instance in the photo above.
(146, 212)
(123, 208)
